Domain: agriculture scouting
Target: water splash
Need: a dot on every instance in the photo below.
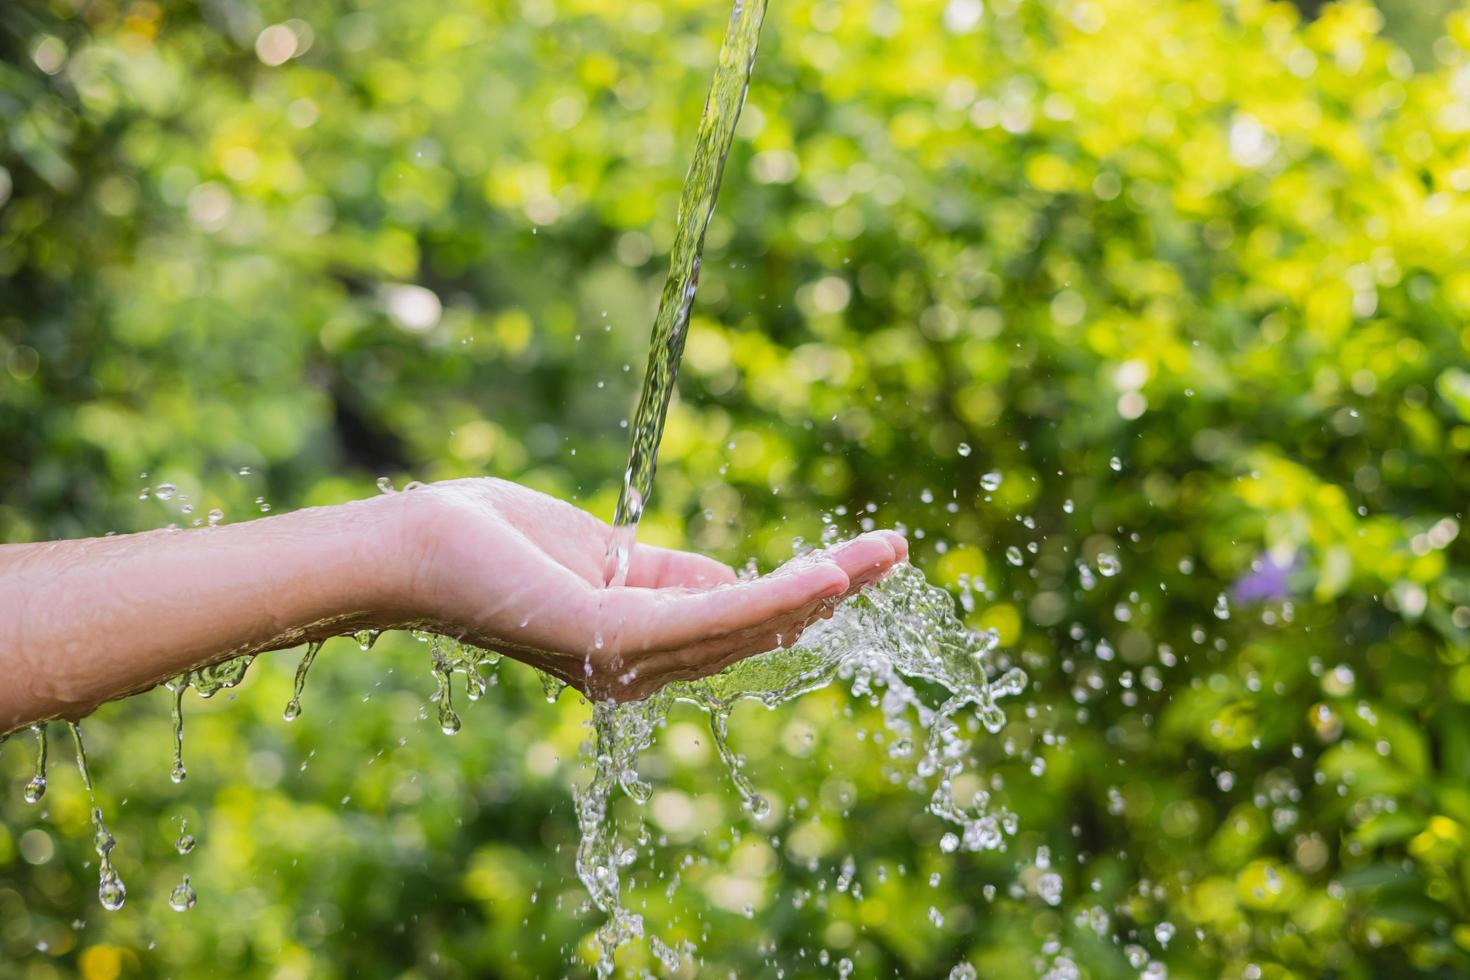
(111, 891)
(293, 707)
(899, 630)
(671, 323)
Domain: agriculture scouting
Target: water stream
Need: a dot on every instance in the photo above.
(110, 889)
(671, 323)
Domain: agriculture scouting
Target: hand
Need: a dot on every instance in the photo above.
(507, 568)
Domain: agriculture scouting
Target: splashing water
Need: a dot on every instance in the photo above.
(670, 325)
(902, 629)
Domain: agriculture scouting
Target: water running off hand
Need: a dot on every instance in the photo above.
(671, 324)
(898, 631)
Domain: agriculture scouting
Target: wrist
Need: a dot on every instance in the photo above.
(397, 564)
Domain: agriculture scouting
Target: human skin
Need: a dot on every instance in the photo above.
(484, 561)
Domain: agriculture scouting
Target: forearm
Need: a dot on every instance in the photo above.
(85, 621)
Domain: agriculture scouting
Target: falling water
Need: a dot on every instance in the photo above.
(207, 681)
(449, 657)
(110, 889)
(899, 631)
(36, 788)
(696, 205)
(293, 707)
(183, 897)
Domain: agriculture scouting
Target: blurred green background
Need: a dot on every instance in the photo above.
(1192, 276)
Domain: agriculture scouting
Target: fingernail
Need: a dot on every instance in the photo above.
(836, 589)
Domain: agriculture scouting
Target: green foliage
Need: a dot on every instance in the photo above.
(1218, 244)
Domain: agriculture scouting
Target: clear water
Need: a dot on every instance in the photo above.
(671, 324)
(111, 891)
(892, 643)
(207, 682)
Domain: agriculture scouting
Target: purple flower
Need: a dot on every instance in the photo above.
(1266, 581)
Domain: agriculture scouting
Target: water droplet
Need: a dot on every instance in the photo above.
(1222, 607)
(1049, 888)
(385, 485)
(991, 481)
(111, 891)
(183, 897)
(551, 686)
(1014, 556)
(963, 449)
(1115, 464)
(1108, 564)
(165, 491)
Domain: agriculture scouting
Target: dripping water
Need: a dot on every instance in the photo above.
(183, 897)
(36, 788)
(207, 682)
(551, 686)
(293, 707)
(110, 889)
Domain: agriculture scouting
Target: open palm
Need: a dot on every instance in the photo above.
(514, 570)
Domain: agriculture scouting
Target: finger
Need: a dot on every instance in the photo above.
(900, 544)
(663, 619)
(866, 555)
(662, 568)
(652, 620)
(717, 653)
